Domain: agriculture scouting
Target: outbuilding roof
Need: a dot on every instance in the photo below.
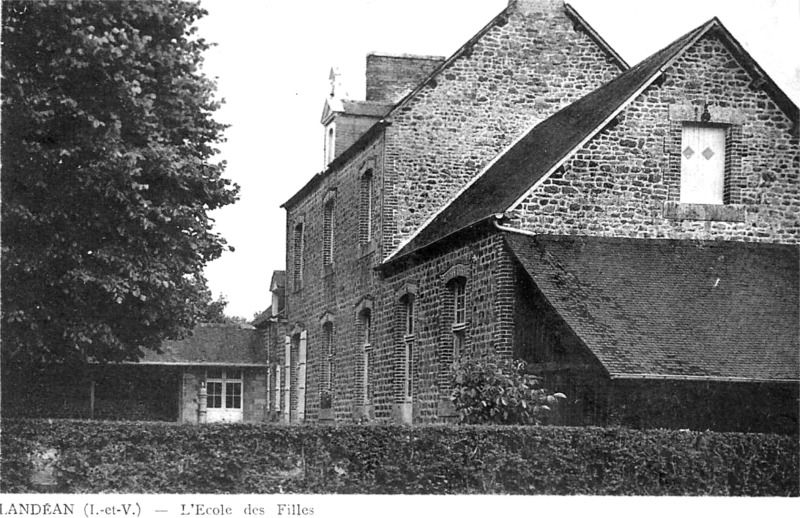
(213, 344)
(674, 308)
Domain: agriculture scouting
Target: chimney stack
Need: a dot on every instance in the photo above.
(390, 77)
(535, 6)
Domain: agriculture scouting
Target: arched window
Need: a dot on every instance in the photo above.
(330, 145)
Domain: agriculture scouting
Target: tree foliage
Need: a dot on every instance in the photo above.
(108, 178)
(499, 391)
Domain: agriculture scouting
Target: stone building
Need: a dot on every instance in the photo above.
(631, 231)
(217, 374)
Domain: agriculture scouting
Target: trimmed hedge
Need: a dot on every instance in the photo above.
(97, 457)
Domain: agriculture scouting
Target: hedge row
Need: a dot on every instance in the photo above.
(162, 457)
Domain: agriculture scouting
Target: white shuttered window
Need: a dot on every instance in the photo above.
(702, 164)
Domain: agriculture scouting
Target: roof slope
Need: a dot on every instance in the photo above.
(375, 130)
(528, 160)
(213, 344)
(547, 145)
(674, 308)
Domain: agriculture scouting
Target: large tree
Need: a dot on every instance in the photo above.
(107, 177)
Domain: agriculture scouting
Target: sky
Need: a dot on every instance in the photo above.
(272, 61)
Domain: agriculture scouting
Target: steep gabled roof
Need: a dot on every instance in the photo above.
(375, 130)
(375, 109)
(546, 146)
(213, 344)
(674, 308)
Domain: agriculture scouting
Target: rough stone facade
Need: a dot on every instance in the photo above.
(489, 274)
(531, 60)
(355, 316)
(626, 181)
(329, 293)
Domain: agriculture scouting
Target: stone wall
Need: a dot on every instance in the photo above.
(531, 62)
(626, 181)
(330, 293)
(489, 274)
(528, 63)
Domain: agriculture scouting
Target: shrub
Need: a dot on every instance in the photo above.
(499, 391)
(138, 457)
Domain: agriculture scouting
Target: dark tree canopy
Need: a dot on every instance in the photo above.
(107, 177)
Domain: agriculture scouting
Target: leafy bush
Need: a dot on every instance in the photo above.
(101, 457)
(499, 391)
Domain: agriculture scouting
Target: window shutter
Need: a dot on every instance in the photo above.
(702, 164)
(287, 378)
(301, 377)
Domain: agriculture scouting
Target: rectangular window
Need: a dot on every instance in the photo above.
(297, 264)
(224, 389)
(327, 234)
(365, 214)
(233, 394)
(409, 307)
(214, 392)
(409, 371)
(702, 164)
(460, 301)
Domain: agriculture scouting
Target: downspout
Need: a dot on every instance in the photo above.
(498, 226)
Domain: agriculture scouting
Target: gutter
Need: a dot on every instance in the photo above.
(676, 377)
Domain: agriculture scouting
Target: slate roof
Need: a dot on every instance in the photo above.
(213, 344)
(674, 308)
(547, 145)
(376, 129)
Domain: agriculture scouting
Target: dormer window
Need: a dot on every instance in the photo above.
(703, 164)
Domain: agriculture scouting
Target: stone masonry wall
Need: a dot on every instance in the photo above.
(529, 64)
(331, 293)
(489, 272)
(626, 181)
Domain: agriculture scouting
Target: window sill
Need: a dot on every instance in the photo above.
(459, 327)
(703, 212)
(408, 338)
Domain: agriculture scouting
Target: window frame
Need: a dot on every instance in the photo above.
(707, 196)
(298, 251)
(227, 380)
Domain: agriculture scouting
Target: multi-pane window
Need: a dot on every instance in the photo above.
(409, 369)
(330, 352)
(365, 214)
(460, 301)
(327, 233)
(297, 252)
(366, 331)
(702, 164)
(224, 389)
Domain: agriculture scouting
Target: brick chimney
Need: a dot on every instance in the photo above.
(390, 77)
(535, 6)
